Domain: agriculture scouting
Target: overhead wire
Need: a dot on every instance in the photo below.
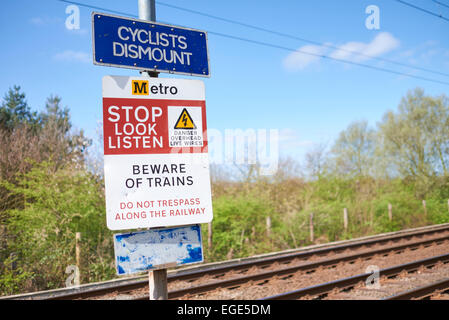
(441, 4)
(294, 37)
(423, 10)
(266, 44)
(327, 57)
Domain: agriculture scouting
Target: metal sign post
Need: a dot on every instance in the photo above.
(149, 182)
(157, 279)
(156, 161)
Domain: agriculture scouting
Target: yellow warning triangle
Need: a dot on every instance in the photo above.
(185, 121)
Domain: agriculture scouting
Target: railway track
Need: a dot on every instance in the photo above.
(256, 270)
(437, 290)
(341, 289)
(307, 269)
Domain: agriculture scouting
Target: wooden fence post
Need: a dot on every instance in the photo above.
(268, 226)
(230, 254)
(345, 218)
(390, 212)
(78, 251)
(311, 228)
(2, 236)
(425, 208)
(13, 257)
(209, 235)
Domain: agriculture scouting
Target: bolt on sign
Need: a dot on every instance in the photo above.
(156, 161)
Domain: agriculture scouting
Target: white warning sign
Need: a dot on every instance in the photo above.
(185, 127)
(155, 152)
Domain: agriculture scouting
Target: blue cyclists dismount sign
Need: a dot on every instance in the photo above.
(137, 44)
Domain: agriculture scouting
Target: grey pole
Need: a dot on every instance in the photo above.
(157, 279)
(147, 11)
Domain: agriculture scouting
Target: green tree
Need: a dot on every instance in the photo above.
(14, 110)
(416, 137)
(315, 161)
(27, 138)
(27, 135)
(58, 141)
(57, 204)
(353, 152)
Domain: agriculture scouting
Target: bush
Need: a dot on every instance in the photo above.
(239, 226)
(57, 203)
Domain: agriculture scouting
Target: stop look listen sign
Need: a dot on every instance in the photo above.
(155, 152)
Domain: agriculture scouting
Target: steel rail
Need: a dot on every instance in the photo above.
(219, 269)
(285, 272)
(421, 292)
(193, 274)
(322, 290)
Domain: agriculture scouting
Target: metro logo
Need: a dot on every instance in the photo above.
(140, 87)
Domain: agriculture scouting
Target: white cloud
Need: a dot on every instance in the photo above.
(384, 42)
(298, 60)
(73, 56)
(424, 53)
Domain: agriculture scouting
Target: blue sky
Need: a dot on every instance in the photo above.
(251, 86)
